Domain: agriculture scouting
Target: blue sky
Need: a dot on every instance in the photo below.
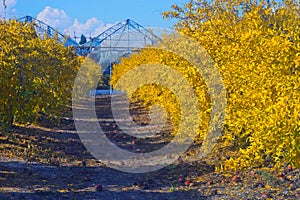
(91, 16)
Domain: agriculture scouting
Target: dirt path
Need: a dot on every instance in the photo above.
(42, 162)
(36, 181)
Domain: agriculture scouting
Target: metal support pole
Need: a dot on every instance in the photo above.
(128, 36)
(110, 67)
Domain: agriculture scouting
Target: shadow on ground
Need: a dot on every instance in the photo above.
(21, 180)
(47, 162)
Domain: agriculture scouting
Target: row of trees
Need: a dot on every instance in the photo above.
(255, 45)
(36, 74)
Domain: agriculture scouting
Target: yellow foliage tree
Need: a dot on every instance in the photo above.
(36, 74)
(152, 94)
(255, 45)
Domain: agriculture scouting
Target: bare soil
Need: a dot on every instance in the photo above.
(44, 161)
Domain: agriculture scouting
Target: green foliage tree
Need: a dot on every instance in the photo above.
(36, 74)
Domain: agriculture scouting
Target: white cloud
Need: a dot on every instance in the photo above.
(92, 27)
(60, 20)
(55, 17)
(6, 12)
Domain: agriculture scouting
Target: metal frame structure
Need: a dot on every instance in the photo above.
(120, 32)
(120, 40)
(107, 48)
(43, 29)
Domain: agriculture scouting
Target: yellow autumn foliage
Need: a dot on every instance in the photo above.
(36, 74)
(255, 46)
